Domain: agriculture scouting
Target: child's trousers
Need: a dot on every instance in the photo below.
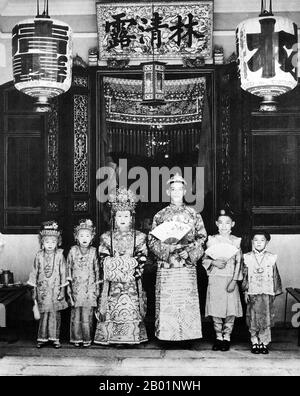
(223, 327)
(81, 325)
(260, 337)
(49, 327)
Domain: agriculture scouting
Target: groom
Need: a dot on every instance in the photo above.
(177, 311)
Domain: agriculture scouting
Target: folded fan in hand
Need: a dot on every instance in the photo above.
(171, 231)
(221, 250)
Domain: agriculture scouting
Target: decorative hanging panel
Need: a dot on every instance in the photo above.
(184, 102)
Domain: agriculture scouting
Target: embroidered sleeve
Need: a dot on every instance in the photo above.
(96, 273)
(141, 250)
(238, 275)
(207, 261)
(70, 266)
(104, 246)
(245, 280)
(277, 281)
(195, 250)
(160, 249)
(63, 271)
(32, 281)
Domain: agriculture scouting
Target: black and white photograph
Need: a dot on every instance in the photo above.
(149, 191)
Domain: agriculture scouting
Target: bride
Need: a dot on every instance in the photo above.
(123, 251)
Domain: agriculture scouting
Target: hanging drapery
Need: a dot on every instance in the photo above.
(145, 141)
(184, 102)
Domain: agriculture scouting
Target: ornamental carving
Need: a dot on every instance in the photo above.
(81, 206)
(80, 81)
(81, 162)
(53, 163)
(53, 206)
(225, 136)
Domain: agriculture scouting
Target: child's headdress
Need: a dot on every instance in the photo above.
(176, 178)
(123, 199)
(50, 228)
(226, 211)
(85, 224)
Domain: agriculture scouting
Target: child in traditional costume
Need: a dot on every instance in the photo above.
(223, 302)
(177, 308)
(261, 284)
(48, 279)
(83, 289)
(123, 253)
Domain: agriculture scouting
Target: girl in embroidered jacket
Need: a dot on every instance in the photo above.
(177, 309)
(83, 277)
(123, 253)
(261, 284)
(223, 301)
(48, 278)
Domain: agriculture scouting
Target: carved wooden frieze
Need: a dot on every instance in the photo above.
(81, 142)
(53, 141)
(225, 143)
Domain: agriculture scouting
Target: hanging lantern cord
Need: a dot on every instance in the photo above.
(264, 11)
(45, 13)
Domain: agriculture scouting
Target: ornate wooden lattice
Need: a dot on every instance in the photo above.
(53, 143)
(81, 162)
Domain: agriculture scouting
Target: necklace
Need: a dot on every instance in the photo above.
(49, 267)
(83, 254)
(259, 268)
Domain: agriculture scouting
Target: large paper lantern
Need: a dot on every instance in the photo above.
(42, 58)
(267, 51)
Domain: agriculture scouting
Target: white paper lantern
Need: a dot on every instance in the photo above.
(42, 58)
(267, 50)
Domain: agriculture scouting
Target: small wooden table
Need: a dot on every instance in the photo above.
(294, 292)
(9, 295)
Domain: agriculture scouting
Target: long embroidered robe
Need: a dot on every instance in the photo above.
(220, 303)
(123, 302)
(83, 275)
(48, 276)
(177, 309)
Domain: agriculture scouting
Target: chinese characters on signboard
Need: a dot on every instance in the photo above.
(168, 30)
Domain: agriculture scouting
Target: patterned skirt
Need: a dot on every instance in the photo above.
(177, 310)
(122, 322)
